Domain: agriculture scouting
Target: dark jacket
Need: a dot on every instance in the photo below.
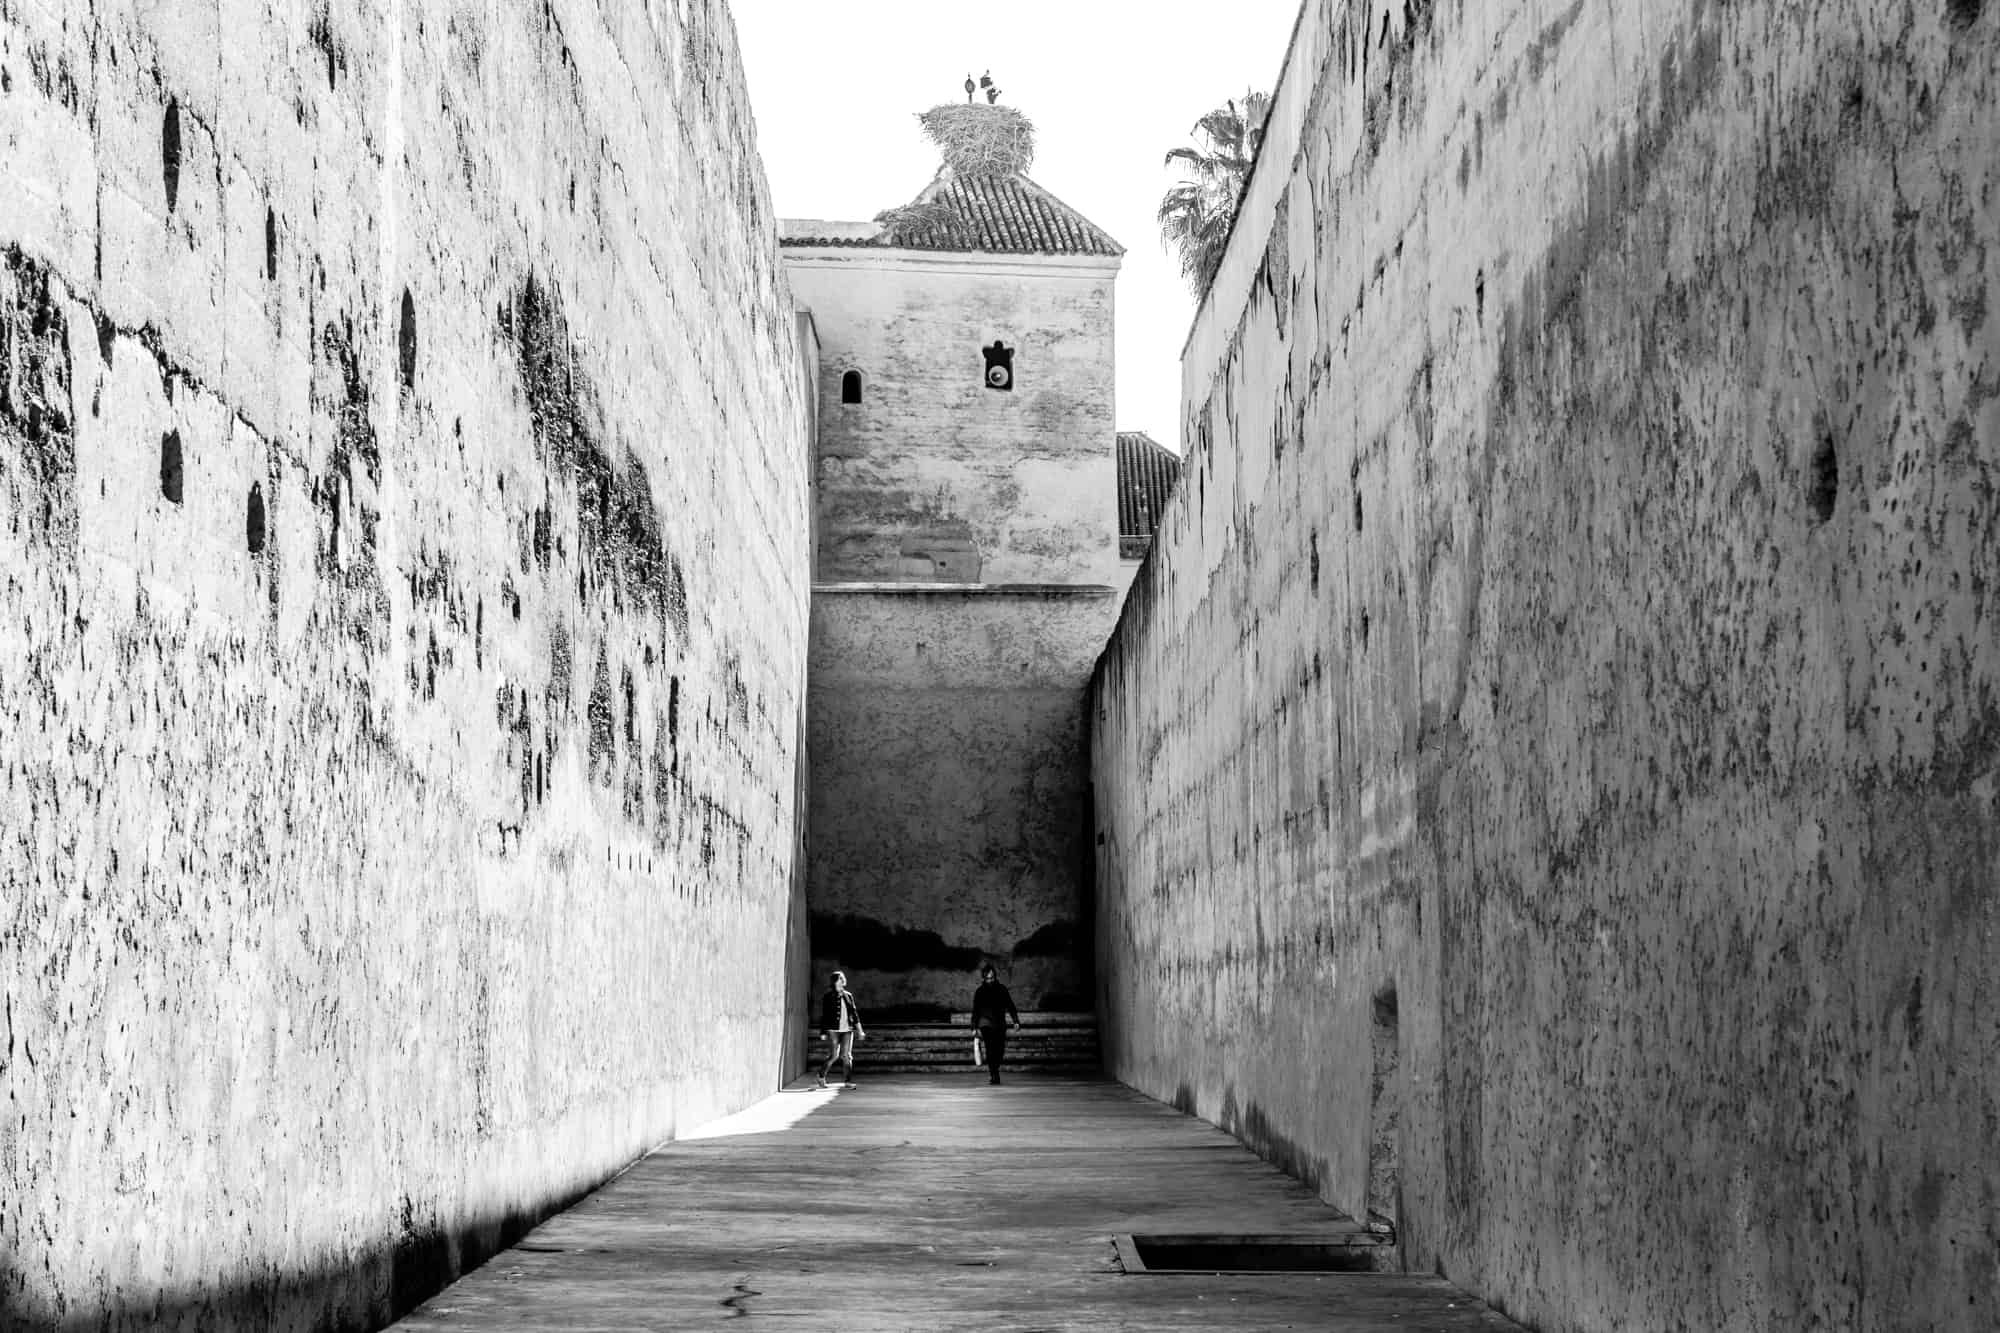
(829, 1010)
(991, 1004)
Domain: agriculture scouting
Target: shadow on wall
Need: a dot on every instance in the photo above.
(376, 1289)
(1248, 1123)
(859, 941)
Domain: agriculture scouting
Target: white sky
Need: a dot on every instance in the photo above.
(1111, 85)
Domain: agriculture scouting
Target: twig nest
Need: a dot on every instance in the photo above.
(915, 219)
(981, 140)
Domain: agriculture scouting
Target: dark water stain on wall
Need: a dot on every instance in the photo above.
(347, 402)
(560, 691)
(603, 732)
(319, 34)
(347, 491)
(1057, 939)
(861, 942)
(617, 520)
(36, 387)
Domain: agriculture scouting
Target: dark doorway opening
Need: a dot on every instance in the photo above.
(1385, 1102)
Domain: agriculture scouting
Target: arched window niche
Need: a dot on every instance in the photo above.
(850, 387)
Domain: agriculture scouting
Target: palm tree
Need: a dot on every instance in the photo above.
(1196, 214)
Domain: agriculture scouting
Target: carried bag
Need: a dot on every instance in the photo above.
(978, 1049)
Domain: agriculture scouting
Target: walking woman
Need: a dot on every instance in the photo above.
(992, 1006)
(839, 1026)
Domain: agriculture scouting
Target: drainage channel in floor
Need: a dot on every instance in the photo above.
(1364, 1252)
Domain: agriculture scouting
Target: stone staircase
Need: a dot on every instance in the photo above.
(1044, 1043)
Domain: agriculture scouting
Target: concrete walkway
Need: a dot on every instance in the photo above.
(933, 1203)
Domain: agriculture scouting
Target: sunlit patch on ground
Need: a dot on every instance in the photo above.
(773, 1115)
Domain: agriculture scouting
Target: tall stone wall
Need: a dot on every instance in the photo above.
(403, 608)
(933, 477)
(950, 807)
(1549, 768)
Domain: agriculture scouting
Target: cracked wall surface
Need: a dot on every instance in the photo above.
(1563, 696)
(403, 602)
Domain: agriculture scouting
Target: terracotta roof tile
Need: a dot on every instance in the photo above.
(1147, 472)
(1004, 215)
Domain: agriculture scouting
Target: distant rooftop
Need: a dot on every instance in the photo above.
(1147, 472)
(1000, 215)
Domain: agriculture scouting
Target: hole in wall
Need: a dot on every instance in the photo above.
(1313, 546)
(170, 152)
(999, 366)
(170, 466)
(1824, 482)
(1962, 14)
(254, 533)
(406, 341)
(674, 723)
(271, 244)
(850, 387)
(1479, 296)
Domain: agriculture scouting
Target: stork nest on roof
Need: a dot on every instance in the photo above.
(915, 220)
(980, 140)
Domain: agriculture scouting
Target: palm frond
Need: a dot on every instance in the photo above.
(1195, 215)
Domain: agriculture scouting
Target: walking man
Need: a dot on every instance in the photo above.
(992, 1006)
(839, 1026)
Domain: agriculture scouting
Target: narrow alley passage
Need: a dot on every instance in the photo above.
(931, 1203)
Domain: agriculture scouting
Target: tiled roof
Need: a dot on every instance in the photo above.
(1002, 215)
(1147, 472)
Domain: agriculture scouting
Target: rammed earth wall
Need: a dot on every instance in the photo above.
(950, 801)
(403, 605)
(933, 477)
(1550, 766)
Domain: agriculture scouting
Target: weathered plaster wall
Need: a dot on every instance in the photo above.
(933, 477)
(403, 607)
(950, 807)
(1564, 699)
